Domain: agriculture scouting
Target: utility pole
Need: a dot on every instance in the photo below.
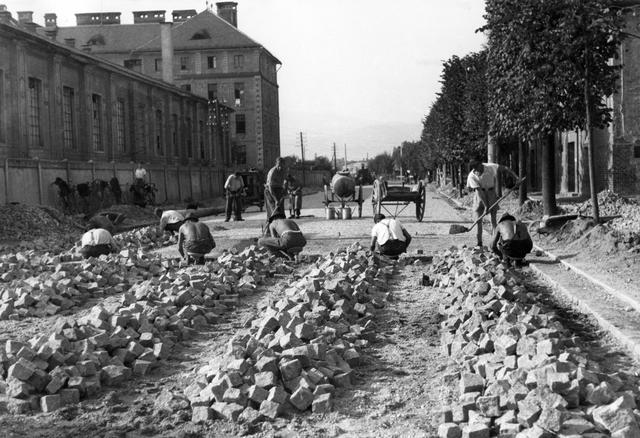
(335, 162)
(345, 155)
(302, 154)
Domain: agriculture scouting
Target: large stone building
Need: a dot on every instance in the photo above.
(204, 53)
(59, 102)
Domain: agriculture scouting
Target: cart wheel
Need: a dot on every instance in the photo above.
(376, 195)
(360, 201)
(421, 201)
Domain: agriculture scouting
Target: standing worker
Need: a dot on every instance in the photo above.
(388, 236)
(233, 188)
(274, 190)
(511, 241)
(483, 179)
(294, 189)
(283, 235)
(194, 240)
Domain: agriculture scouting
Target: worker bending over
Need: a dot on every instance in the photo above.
(170, 220)
(97, 242)
(511, 240)
(389, 237)
(283, 235)
(194, 240)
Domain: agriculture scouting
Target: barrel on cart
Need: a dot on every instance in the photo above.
(399, 196)
(343, 190)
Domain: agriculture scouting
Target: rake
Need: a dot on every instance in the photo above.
(459, 229)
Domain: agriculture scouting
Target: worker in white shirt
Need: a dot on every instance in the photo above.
(97, 242)
(233, 188)
(388, 236)
(140, 174)
(483, 179)
(170, 220)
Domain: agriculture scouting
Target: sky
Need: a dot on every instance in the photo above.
(360, 73)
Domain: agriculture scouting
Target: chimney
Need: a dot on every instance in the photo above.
(228, 11)
(31, 26)
(50, 20)
(71, 42)
(97, 18)
(5, 16)
(25, 17)
(148, 17)
(183, 15)
(166, 44)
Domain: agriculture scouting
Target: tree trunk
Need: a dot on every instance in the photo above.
(589, 129)
(460, 180)
(492, 150)
(522, 170)
(549, 175)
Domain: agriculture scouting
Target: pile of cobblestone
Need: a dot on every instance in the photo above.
(299, 349)
(110, 345)
(522, 374)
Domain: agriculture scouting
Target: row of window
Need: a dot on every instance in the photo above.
(238, 92)
(186, 63)
(69, 123)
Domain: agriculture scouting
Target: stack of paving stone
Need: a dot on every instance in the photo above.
(299, 349)
(46, 285)
(521, 373)
(110, 345)
(147, 238)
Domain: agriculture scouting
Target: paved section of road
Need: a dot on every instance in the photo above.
(430, 235)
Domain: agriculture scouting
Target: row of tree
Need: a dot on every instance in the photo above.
(546, 68)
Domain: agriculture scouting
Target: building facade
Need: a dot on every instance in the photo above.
(59, 102)
(203, 53)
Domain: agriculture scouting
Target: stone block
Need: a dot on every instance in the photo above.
(278, 394)
(290, 369)
(21, 370)
(250, 416)
(50, 403)
(615, 416)
(528, 413)
(489, 406)
(201, 414)
(476, 431)
(449, 430)
(322, 403)
(114, 375)
(267, 363)
(270, 409)
(69, 396)
(265, 379)
(235, 395)
(470, 382)
(301, 399)
(257, 394)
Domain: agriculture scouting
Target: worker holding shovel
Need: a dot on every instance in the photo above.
(483, 180)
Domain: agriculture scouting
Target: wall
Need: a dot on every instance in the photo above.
(30, 181)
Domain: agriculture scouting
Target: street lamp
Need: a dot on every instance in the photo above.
(218, 118)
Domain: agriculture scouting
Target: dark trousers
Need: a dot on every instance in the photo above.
(274, 200)
(95, 250)
(234, 205)
(513, 249)
(295, 203)
(393, 247)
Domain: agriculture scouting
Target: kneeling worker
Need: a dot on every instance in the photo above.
(283, 235)
(511, 240)
(194, 239)
(390, 237)
(170, 220)
(97, 242)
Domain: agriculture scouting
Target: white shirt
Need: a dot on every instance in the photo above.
(170, 217)
(487, 180)
(141, 173)
(234, 183)
(387, 229)
(97, 236)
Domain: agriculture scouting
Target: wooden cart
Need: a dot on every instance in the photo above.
(398, 196)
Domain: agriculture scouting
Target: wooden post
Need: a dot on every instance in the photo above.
(68, 166)
(166, 190)
(201, 182)
(190, 169)
(179, 188)
(93, 171)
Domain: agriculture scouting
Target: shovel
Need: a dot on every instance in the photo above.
(459, 229)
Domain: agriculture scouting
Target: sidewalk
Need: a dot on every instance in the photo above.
(605, 295)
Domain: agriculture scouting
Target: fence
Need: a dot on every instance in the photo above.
(30, 181)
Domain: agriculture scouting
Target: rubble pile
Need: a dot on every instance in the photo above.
(147, 238)
(41, 285)
(110, 345)
(299, 349)
(521, 373)
(612, 204)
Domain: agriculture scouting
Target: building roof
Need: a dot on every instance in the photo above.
(204, 31)
(81, 56)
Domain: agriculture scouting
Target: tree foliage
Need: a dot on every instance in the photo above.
(381, 164)
(455, 129)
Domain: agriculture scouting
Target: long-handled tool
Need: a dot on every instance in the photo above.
(458, 229)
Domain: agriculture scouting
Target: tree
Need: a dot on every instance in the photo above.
(547, 65)
(381, 164)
